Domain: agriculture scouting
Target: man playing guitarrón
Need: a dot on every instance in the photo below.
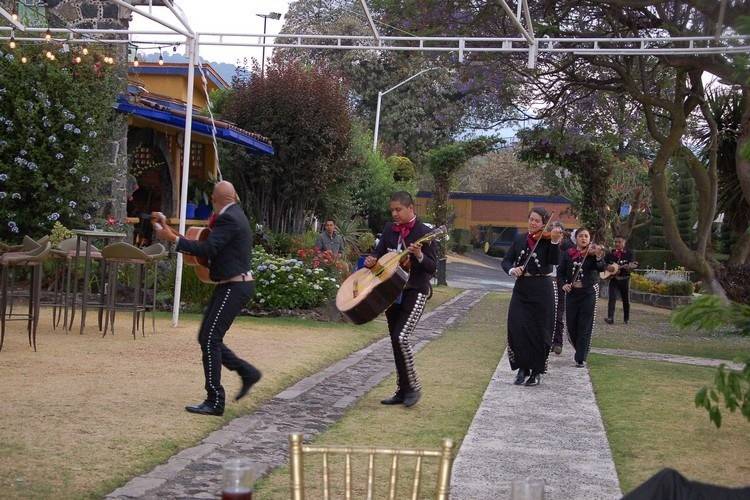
(404, 314)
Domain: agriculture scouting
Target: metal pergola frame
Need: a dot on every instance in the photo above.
(182, 34)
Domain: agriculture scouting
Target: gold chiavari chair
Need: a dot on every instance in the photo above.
(298, 450)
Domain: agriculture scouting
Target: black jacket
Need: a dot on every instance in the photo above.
(421, 272)
(544, 257)
(589, 275)
(228, 246)
(627, 257)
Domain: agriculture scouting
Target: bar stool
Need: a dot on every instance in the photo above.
(65, 252)
(122, 253)
(27, 245)
(33, 260)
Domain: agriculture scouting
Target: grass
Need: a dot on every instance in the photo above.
(84, 414)
(652, 423)
(454, 369)
(649, 330)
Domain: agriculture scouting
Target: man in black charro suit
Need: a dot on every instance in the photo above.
(228, 252)
(404, 314)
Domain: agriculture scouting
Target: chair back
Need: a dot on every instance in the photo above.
(298, 450)
(124, 252)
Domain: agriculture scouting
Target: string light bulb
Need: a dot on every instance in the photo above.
(48, 55)
(77, 59)
(14, 15)
(161, 60)
(12, 43)
(136, 63)
(85, 51)
(24, 60)
(48, 35)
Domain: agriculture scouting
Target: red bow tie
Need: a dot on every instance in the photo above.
(405, 228)
(576, 254)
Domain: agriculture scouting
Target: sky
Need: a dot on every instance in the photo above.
(228, 16)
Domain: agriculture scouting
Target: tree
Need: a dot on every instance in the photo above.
(305, 113)
(56, 119)
(500, 172)
(443, 163)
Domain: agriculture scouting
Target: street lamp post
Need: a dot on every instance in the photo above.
(272, 15)
(380, 97)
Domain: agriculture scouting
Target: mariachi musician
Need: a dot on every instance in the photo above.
(579, 275)
(621, 260)
(533, 305)
(404, 314)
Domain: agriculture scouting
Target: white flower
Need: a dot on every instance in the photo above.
(86, 217)
(76, 130)
(92, 134)
(89, 120)
(23, 152)
(85, 148)
(59, 156)
(53, 216)
(262, 301)
(72, 170)
(85, 179)
(3, 194)
(52, 139)
(58, 200)
(3, 177)
(15, 196)
(68, 127)
(92, 227)
(72, 204)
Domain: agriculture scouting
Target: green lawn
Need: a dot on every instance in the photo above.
(649, 330)
(652, 423)
(455, 370)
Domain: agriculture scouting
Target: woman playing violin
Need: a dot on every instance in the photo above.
(533, 305)
(578, 275)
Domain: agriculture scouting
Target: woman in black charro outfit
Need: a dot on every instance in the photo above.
(533, 306)
(578, 275)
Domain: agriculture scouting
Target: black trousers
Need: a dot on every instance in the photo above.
(402, 320)
(557, 335)
(619, 287)
(580, 315)
(226, 302)
(668, 484)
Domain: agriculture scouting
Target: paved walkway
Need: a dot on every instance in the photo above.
(310, 406)
(668, 358)
(553, 431)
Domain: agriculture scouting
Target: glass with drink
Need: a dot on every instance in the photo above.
(238, 479)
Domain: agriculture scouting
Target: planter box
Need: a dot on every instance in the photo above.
(651, 299)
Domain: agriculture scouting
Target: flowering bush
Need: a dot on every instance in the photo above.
(282, 283)
(55, 119)
(667, 287)
(333, 265)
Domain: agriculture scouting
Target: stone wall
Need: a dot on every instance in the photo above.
(102, 14)
(651, 299)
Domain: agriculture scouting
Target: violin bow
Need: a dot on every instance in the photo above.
(578, 271)
(526, 263)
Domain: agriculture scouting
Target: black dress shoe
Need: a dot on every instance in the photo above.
(396, 399)
(205, 409)
(609, 321)
(411, 398)
(579, 364)
(248, 380)
(520, 377)
(534, 379)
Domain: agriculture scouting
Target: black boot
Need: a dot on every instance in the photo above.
(396, 399)
(534, 379)
(520, 376)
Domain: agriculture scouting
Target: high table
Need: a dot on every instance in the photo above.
(87, 237)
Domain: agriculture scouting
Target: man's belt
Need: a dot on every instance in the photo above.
(248, 276)
(529, 275)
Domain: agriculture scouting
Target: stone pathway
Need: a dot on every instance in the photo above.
(310, 406)
(553, 432)
(668, 358)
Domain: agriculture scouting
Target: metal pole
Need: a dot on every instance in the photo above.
(380, 96)
(263, 50)
(192, 46)
(377, 123)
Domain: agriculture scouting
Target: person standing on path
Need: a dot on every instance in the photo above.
(624, 258)
(533, 305)
(557, 336)
(579, 276)
(228, 252)
(404, 314)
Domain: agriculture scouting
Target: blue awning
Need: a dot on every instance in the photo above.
(174, 118)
